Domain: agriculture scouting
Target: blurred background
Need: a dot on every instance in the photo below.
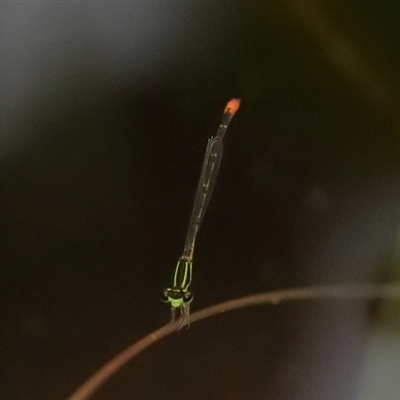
(106, 108)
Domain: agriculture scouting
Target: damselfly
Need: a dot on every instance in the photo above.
(179, 295)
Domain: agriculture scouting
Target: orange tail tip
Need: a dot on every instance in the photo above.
(232, 106)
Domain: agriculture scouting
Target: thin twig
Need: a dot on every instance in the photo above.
(354, 292)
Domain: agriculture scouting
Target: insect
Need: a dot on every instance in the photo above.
(179, 294)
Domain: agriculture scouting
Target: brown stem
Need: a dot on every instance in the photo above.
(355, 292)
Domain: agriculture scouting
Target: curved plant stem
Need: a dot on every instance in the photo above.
(355, 292)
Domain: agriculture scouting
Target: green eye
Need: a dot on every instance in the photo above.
(164, 296)
(187, 297)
